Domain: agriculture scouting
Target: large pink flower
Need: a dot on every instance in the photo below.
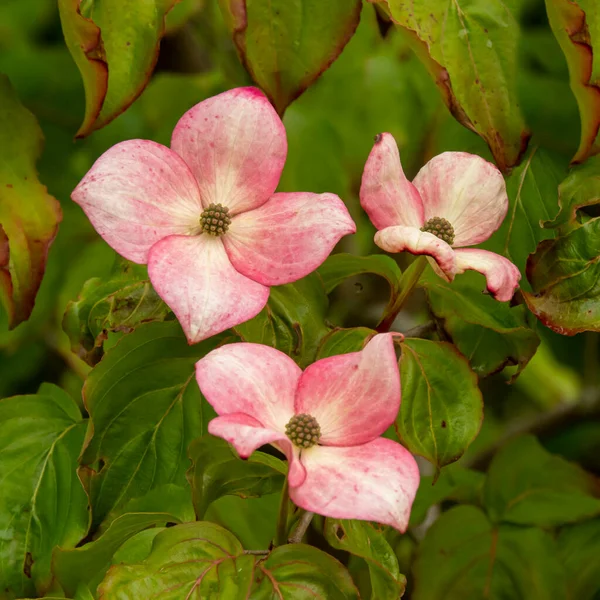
(204, 216)
(457, 199)
(327, 420)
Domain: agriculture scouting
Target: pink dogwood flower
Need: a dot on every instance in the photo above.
(327, 420)
(204, 216)
(457, 199)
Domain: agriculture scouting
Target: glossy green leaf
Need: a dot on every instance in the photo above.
(42, 503)
(285, 45)
(455, 483)
(470, 46)
(532, 190)
(464, 556)
(115, 46)
(526, 485)
(580, 553)
(88, 564)
(490, 334)
(118, 304)
(579, 189)
(217, 471)
(576, 25)
(203, 560)
(442, 407)
(29, 216)
(364, 540)
(565, 277)
(343, 341)
(339, 267)
(293, 320)
(145, 408)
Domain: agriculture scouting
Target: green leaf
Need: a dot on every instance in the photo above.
(217, 471)
(84, 42)
(490, 334)
(565, 277)
(88, 564)
(285, 45)
(293, 320)
(302, 571)
(579, 189)
(119, 304)
(532, 190)
(145, 408)
(42, 503)
(454, 483)
(343, 341)
(367, 542)
(29, 216)
(442, 407)
(576, 25)
(115, 46)
(468, 47)
(203, 560)
(526, 485)
(580, 554)
(339, 267)
(464, 556)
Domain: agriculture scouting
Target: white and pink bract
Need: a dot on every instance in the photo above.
(147, 200)
(462, 189)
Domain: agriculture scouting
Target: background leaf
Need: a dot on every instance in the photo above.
(42, 503)
(565, 277)
(29, 216)
(526, 485)
(217, 471)
(285, 45)
(490, 334)
(293, 320)
(145, 409)
(442, 409)
(464, 556)
(576, 26)
(468, 47)
(364, 540)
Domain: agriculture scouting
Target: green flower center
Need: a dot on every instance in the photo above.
(215, 219)
(303, 430)
(441, 228)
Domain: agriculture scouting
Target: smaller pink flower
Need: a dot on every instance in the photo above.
(457, 199)
(327, 420)
(204, 216)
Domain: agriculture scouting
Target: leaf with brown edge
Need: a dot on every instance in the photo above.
(115, 44)
(468, 48)
(29, 216)
(84, 42)
(285, 45)
(565, 277)
(576, 26)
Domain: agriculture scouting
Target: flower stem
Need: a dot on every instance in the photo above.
(301, 527)
(408, 281)
(282, 519)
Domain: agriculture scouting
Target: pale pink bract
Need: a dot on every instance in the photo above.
(146, 201)
(460, 188)
(351, 473)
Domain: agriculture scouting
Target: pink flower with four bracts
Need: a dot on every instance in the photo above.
(457, 199)
(204, 216)
(327, 421)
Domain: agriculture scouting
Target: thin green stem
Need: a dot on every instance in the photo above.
(282, 519)
(409, 280)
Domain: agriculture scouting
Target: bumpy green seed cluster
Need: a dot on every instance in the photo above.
(215, 219)
(441, 228)
(303, 430)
